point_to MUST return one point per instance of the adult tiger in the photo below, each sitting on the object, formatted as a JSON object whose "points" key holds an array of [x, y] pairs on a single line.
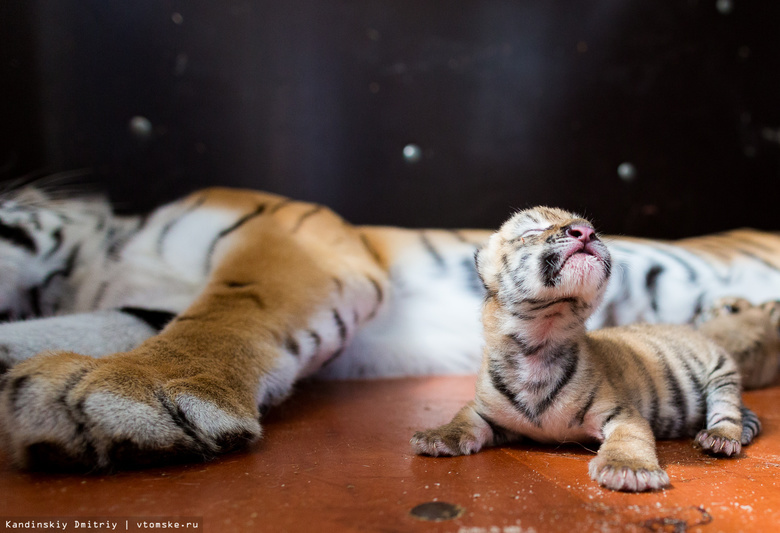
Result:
{"points": [[199, 316]]}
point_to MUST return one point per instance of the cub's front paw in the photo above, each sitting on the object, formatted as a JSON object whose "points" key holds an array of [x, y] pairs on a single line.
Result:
{"points": [[714, 442], [67, 411], [616, 476], [467, 433], [445, 440], [464, 435]]}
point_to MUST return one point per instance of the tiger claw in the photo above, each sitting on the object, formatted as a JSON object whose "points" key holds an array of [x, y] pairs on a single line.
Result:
{"points": [[718, 445], [629, 480]]}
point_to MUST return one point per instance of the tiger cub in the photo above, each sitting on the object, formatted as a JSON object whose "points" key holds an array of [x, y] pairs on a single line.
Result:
{"points": [[544, 377]]}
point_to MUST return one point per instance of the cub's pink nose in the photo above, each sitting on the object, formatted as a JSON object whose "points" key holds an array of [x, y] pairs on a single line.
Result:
{"points": [[581, 233]]}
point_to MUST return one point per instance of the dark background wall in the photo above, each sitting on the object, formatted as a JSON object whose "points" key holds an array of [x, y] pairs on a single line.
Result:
{"points": [[510, 104]]}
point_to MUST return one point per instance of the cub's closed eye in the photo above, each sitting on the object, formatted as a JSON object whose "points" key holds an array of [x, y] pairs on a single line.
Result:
{"points": [[532, 232]]}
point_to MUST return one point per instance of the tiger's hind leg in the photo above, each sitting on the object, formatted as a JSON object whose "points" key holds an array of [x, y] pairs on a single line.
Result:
{"points": [[282, 297], [724, 430], [751, 426]]}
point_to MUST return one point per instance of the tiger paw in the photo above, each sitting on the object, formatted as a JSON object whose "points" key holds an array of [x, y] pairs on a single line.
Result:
{"points": [[67, 411], [445, 440], [714, 442], [624, 478]]}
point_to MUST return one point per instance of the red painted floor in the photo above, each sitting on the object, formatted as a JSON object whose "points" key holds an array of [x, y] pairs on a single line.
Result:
{"points": [[336, 458]]}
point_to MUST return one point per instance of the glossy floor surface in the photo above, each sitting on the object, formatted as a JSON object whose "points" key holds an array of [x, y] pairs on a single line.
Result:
{"points": [[336, 458]]}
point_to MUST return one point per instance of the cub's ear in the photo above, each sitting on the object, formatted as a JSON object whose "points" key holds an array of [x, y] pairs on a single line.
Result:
{"points": [[485, 272], [487, 262], [477, 257], [477, 254]]}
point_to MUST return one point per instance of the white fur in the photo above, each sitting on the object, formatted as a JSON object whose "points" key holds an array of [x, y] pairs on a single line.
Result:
{"points": [[429, 323], [96, 334]]}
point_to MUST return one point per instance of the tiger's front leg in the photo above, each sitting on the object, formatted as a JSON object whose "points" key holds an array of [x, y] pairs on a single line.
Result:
{"points": [[96, 334], [274, 309], [468, 432], [627, 459]]}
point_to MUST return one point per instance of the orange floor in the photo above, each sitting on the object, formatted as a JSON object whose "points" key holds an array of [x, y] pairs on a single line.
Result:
{"points": [[336, 458]]}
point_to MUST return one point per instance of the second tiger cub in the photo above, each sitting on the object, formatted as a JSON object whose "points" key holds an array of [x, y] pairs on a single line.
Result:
{"points": [[544, 377]]}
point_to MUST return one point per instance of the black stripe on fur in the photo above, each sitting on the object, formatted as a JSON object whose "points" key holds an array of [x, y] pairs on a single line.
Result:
{"points": [[155, 319], [18, 237]]}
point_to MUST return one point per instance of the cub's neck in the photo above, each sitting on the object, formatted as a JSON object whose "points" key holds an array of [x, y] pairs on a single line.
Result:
{"points": [[536, 328]]}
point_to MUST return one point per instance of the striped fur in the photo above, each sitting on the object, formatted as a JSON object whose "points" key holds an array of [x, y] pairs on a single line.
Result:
{"points": [[168, 334], [545, 377]]}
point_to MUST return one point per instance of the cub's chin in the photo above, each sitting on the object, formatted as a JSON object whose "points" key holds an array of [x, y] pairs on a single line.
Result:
{"points": [[583, 271]]}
